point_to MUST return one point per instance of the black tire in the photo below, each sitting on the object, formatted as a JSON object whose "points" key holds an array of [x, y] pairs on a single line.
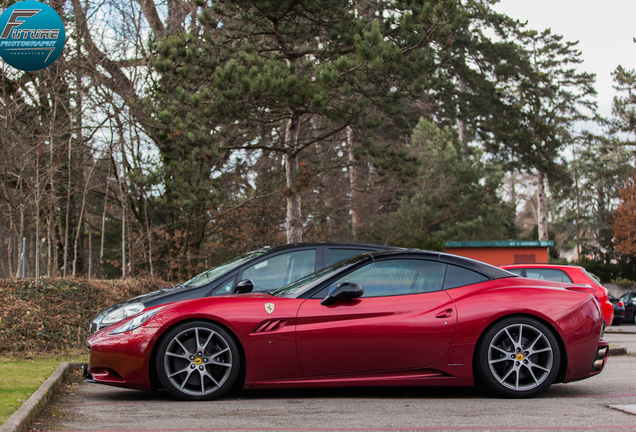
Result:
{"points": [[518, 357], [198, 360]]}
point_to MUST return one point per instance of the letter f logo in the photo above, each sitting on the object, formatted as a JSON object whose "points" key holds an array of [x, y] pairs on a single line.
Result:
{"points": [[14, 22]]}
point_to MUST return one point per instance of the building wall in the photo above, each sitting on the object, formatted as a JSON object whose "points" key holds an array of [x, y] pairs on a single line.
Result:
{"points": [[503, 255]]}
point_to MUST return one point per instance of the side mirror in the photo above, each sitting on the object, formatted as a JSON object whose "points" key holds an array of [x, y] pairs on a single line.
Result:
{"points": [[344, 290], [244, 286]]}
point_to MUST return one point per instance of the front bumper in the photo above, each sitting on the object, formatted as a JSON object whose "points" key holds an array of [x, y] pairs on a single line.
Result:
{"points": [[86, 376], [122, 360]]}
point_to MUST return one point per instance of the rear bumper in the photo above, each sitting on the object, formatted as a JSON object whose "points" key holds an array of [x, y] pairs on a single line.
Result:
{"points": [[581, 335], [600, 360]]}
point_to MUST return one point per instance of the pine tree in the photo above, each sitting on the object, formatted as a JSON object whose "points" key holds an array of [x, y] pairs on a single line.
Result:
{"points": [[300, 72], [624, 107], [456, 197]]}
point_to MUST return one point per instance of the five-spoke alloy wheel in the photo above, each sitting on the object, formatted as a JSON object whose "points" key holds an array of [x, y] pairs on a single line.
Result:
{"points": [[518, 357], [198, 360]]}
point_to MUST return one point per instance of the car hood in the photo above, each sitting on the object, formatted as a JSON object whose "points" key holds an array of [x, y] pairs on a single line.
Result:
{"points": [[149, 299], [245, 309]]}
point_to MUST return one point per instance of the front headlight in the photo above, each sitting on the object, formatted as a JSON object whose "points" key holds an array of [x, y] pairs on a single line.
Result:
{"points": [[122, 313], [136, 322]]}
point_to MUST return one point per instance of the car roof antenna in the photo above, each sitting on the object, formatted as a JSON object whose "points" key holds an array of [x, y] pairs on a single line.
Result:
{"points": [[391, 236]]}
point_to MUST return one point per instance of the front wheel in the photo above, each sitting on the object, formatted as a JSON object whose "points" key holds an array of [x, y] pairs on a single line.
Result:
{"points": [[518, 357], [198, 361]]}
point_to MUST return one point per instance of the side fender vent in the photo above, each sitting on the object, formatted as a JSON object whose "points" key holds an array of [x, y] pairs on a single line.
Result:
{"points": [[269, 326]]}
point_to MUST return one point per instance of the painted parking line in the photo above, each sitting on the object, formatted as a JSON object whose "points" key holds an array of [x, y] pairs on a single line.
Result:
{"points": [[413, 429], [587, 396], [605, 396]]}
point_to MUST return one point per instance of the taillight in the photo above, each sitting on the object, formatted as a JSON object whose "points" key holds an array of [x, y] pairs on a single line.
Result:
{"points": [[620, 304]]}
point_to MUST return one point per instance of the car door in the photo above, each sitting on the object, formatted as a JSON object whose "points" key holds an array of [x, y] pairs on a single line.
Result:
{"points": [[403, 321]]}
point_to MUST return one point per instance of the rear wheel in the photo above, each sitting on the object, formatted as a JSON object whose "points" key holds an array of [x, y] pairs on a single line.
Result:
{"points": [[518, 357], [198, 361]]}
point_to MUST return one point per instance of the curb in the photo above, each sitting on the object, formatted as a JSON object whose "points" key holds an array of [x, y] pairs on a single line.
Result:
{"points": [[33, 407], [619, 331], [614, 350]]}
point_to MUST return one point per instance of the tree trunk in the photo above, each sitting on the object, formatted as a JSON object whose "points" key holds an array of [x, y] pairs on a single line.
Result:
{"points": [[90, 254], [79, 222], [68, 211], [11, 245], [21, 253], [131, 242], [52, 267], [49, 240], [294, 219], [101, 246], [461, 125], [37, 215], [542, 210], [152, 273], [123, 239], [355, 183]]}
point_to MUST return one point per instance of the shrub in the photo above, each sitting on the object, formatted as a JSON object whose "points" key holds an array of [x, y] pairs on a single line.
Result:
{"points": [[625, 283], [610, 271], [55, 316]]}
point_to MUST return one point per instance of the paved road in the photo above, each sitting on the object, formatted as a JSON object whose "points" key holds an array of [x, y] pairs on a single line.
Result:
{"points": [[576, 406]]}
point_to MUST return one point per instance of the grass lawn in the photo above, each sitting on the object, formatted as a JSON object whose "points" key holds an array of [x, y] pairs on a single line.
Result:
{"points": [[21, 376]]}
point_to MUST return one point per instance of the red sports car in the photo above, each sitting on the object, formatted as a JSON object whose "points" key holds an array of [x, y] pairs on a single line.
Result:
{"points": [[390, 318], [568, 274]]}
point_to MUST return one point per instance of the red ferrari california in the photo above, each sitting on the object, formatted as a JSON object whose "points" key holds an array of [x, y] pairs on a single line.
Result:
{"points": [[389, 318]]}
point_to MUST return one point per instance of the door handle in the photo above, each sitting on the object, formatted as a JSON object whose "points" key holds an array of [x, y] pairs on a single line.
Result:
{"points": [[445, 313]]}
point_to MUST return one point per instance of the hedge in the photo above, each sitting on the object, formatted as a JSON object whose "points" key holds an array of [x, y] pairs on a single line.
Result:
{"points": [[609, 272], [55, 316]]}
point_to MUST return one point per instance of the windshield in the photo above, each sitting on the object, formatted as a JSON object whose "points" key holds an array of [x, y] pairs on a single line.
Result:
{"points": [[302, 285], [215, 272]]}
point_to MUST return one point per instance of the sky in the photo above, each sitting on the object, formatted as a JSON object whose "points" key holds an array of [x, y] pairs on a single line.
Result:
{"points": [[605, 31]]}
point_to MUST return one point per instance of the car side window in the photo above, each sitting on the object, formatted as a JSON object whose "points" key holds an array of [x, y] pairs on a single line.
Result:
{"points": [[280, 270], [337, 254], [459, 276], [394, 277], [554, 275], [225, 287]]}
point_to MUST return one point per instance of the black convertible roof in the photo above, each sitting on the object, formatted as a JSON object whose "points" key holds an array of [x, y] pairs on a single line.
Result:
{"points": [[329, 244], [487, 270]]}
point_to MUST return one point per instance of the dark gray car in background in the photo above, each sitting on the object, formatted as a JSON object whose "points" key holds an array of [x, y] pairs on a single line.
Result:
{"points": [[265, 269]]}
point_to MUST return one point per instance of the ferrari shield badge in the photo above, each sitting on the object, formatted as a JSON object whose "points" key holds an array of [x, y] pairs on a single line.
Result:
{"points": [[269, 308]]}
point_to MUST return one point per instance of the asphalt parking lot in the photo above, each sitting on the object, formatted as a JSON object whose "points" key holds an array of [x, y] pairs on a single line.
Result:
{"points": [[583, 405]]}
